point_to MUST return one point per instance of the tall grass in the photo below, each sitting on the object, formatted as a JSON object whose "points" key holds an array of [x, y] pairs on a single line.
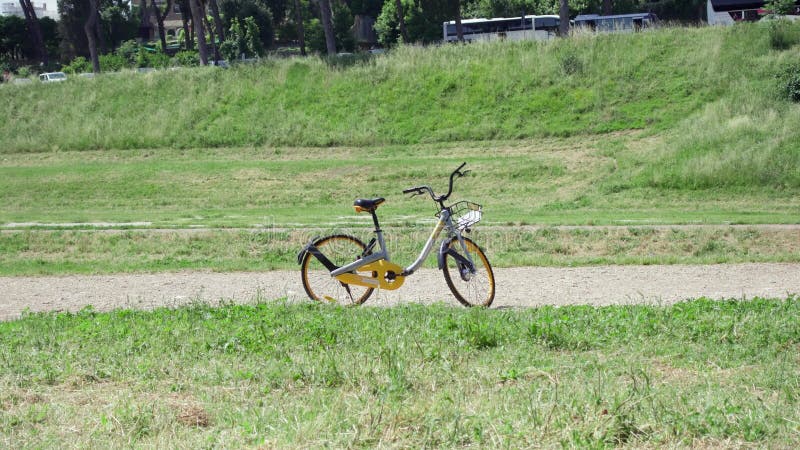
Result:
{"points": [[587, 84]]}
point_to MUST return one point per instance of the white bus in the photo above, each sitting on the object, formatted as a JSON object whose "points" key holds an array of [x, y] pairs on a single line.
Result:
{"points": [[511, 28], [620, 23]]}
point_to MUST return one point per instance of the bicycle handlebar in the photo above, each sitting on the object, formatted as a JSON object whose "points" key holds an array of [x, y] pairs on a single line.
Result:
{"points": [[417, 190]]}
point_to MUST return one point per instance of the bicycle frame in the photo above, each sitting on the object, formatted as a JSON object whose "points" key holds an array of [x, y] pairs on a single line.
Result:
{"points": [[445, 223]]}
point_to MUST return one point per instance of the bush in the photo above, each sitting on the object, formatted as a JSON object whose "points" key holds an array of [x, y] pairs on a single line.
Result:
{"points": [[159, 60], [24, 71], [128, 50], [783, 34], [78, 65], [112, 62], [186, 58], [790, 83]]}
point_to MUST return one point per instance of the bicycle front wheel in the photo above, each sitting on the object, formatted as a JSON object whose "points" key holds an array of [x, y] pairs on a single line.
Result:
{"points": [[317, 280], [471, 289]]}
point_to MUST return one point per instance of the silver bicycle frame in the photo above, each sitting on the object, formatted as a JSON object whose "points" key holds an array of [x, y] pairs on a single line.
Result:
{"points": [[444, 223]]}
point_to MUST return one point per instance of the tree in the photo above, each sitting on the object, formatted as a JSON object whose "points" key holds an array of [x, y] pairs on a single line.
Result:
{"points": [[242, 9], [218, 25], [401, 20], [161, 15], [186, 17], [327, 26], [563, 15], [34, 29], [607, 7], [780, 7], [301, 32], [90, 28], [197, 23], [252, 39], [14, 42]]}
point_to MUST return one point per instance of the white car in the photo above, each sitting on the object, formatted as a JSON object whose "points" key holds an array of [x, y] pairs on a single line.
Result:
{"points": [[52, 77]]}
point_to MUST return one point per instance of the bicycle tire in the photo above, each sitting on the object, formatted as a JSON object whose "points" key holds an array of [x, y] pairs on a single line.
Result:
{"points": [[473, 289], [340, 249]]}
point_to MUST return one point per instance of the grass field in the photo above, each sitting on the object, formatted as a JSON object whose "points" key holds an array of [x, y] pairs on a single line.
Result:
{"points": [[99, 252], [702, 373], [285, 196], [582, 180]]}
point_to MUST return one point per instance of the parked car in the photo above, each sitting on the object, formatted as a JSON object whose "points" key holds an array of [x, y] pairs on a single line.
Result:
{"points": [[52, 77]]}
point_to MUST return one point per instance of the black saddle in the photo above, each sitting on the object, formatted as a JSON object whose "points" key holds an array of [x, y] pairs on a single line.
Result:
{"points": [[368, 205]]}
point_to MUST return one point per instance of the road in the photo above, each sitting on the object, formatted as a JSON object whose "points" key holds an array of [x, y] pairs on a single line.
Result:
{"points": [[516, 287]]}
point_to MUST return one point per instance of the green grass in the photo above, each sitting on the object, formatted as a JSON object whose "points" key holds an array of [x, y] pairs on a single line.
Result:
{"points": [[501, 90], [100, 252], [580, 180], [701, 373]]}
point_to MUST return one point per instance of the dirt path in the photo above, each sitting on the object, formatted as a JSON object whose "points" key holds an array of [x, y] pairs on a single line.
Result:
{"points": [[516, 287]]}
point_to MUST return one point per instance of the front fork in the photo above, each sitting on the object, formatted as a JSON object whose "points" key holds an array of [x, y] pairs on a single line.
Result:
{"points": [[466, 267]]}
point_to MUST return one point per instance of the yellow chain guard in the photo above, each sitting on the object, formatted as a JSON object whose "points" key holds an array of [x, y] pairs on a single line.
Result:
{"points": [[378, 268]]}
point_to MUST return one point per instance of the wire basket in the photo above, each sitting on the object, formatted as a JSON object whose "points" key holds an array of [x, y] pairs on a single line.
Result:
{"points": [[465, 214]]}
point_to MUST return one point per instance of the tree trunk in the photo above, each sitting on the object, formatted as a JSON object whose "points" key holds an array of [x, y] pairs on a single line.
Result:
{"points": [[401, 20], [199, 32], [217, 20], [563, 15], [459, 27], [327, 26], [35, 29], [185, 17], [160, 16], [607, 7], [90, 28], [144, 13], [101, 38], [301, 32]]}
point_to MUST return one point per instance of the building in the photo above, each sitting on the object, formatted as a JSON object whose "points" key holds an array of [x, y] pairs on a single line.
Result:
{"points": [[172, 23], [8, 8], [727, 12]]}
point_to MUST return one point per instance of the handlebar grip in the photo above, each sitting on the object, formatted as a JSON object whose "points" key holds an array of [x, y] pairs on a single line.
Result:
{"points": [[410, 190], [461, 167]]}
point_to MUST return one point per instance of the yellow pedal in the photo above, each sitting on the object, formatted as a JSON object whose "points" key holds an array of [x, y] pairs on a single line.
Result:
{"points": [[382, 274]]}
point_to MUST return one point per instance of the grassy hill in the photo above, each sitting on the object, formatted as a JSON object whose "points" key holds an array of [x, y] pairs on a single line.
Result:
{"points": [[586, 84]]}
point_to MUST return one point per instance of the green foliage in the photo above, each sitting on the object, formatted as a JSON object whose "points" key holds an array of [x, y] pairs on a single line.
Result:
{"points": [[130, 51], [780, 7], [423, 21], [78, 65], [790, 82], [342, 23], [251, 37], [235, 43], [315, 36], [188, 58], [15, 42], [112, 62], [24, 71], [240, 10]]}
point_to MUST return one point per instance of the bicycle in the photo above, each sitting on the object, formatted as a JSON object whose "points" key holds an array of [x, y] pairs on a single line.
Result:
{"points": [[342, 269]]}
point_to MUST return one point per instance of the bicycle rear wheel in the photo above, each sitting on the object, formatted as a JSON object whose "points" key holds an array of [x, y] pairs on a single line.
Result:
{"points": [[317, 280], [471, 289]]}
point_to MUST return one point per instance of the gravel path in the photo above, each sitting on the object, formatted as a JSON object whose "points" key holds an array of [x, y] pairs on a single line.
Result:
{"points": [[516, 287]]}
